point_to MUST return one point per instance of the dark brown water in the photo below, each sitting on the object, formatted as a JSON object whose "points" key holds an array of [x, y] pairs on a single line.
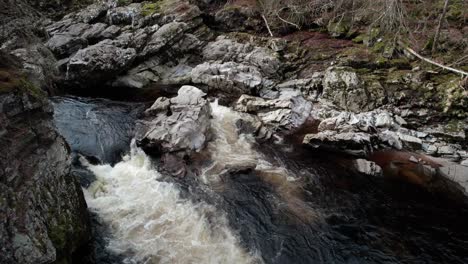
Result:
{"points": [[305, 207]]}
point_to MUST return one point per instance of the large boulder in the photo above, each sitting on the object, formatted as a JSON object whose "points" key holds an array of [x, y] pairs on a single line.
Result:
{"points": [[44, 215], [180, 125], [99, 63]]}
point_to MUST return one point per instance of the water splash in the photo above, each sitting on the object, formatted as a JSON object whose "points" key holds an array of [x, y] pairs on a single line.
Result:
{"points": [[151, 223]]}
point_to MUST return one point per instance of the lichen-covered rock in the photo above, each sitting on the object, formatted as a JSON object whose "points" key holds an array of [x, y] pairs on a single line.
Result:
{"points": [[99, 62], [44, 216], [343, 87], [177, 125]]}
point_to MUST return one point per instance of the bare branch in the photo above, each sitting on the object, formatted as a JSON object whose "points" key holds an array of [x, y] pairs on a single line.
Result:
{"points": [[266, 23], [463, 73]]}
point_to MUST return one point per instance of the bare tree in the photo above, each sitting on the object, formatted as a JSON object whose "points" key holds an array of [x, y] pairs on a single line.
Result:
{"points": [[439, 26]]}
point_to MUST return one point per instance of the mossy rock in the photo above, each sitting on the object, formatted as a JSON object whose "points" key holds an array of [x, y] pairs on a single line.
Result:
{"points": [[12, 81], [157, 6], [123, 2], [339, 29]]}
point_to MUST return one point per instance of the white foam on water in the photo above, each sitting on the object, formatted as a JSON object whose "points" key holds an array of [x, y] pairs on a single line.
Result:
{"points": [[151, 223]]}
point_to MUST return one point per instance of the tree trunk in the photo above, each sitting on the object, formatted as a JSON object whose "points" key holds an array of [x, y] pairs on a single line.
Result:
{"points": [[436, 37]]}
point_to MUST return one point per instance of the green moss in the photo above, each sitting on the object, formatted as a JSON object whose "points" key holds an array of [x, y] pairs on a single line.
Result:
{"points": [[123, 2], [30, 88], [58, 236], [360, 38], [456, 9], [156, 6], [10, 81]]}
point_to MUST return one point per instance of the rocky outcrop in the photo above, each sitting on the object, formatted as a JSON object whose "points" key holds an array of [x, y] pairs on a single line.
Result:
{"points": [[352, 143], [98, 63], [180, 125], [230, 77], [98, 129], [43, 213], [44, 216], [287, 113], [342, 86], [386, 130]]}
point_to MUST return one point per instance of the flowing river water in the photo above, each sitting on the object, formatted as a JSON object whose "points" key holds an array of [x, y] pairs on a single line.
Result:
{"points": [[250, 203]]}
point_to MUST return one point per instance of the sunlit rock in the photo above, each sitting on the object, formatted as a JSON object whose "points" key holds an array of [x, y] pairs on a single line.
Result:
{"points": [[180, 124]]}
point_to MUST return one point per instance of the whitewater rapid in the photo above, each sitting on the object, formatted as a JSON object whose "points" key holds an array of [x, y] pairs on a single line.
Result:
{"points": [[151, 223]]}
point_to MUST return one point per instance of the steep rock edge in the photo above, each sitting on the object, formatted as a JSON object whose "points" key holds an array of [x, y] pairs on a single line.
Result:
{"points": [[43, 214]]}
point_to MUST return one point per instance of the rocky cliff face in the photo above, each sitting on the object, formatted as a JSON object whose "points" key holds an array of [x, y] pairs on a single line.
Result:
{"points": [[44, 217]]}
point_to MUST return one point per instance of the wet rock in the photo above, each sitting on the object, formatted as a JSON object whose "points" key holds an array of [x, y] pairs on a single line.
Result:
{"points": [[99, 62], [368, 167], [286, 113], [44, 215], [229, 77], [98, 129], [356, 144], [452, 180], [177, 125]]}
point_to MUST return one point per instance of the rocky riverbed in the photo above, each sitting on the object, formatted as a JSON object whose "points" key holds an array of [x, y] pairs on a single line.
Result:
{"points": [[217, 110]]}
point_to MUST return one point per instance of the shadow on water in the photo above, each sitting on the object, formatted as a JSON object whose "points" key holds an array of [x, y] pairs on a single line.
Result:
{"points": [[356, 219]]}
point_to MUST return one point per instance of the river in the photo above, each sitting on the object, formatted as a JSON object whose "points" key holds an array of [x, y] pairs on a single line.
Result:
{"points": [[249, 203]]}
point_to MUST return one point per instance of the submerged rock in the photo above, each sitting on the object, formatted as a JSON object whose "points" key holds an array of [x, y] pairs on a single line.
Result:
{"points": [[177, 125]]}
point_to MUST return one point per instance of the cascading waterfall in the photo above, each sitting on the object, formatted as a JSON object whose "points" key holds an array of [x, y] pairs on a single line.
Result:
{"points": [[151, 223]]}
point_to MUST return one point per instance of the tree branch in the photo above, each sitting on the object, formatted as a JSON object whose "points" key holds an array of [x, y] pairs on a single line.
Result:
{"points": [[435, 63], [268, 27]]}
